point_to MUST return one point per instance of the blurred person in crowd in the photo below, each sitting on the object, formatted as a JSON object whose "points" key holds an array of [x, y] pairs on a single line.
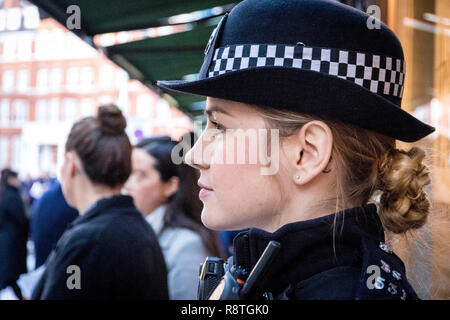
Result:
{"points": [[109, 252], [41, 185], [25, 187], [13, 230], [50, 216], [166, 194]]}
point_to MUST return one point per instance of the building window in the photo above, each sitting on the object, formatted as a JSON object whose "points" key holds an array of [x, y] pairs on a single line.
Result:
{"points": [[2, 20], [31, 17], [69, 110], [9, 47], [41, 110], [55, 79], [121, 78], [72, 78], [54, 109], [87, 107], [23, 80], [24, 45], [20, 111], [8, 81], [106, 76], [4, 152], [42, 79], [86, 77], [43, 44], [57, 43], [4, 112], [16, 145], [13, 18]]}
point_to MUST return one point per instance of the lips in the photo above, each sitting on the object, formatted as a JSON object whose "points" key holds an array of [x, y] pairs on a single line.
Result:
{"points": [[204, 191], [201, 185]]}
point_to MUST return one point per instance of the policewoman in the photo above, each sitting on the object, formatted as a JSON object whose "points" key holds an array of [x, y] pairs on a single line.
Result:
{"points": [[333, 89]]}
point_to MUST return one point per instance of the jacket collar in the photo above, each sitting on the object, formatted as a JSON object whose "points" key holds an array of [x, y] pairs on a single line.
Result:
{"points": [[156, 218], [309, 247], [102, 205]]}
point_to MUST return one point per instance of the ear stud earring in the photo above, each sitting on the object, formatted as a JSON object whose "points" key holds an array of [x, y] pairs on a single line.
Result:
{"points": [[297, 177]]}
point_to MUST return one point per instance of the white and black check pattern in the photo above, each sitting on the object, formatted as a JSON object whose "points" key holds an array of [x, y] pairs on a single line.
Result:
{"points": [[379, 74]]}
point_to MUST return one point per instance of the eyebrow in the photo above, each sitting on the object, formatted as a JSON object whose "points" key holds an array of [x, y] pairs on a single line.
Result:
{"points": [[208, 112]]}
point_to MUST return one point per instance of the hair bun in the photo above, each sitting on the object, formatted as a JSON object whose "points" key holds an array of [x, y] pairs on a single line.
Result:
{"points": [[111, 120], [402, 177]]}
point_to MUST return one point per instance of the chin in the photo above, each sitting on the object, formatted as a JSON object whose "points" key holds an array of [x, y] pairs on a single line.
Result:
{"points": [[211, 219]]}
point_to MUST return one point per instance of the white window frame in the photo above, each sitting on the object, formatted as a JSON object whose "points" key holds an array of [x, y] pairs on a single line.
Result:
{"points": [[8, 82], [20, 111], [23, 80], [5, 113]]}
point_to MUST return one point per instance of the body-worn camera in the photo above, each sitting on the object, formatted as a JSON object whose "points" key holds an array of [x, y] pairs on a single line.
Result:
{"points": [[239, 285], [211, 273]]}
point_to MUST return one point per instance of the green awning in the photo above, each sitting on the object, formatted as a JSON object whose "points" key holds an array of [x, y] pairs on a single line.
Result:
{"points": [[168, 57], [175, 56], [103, 16]]}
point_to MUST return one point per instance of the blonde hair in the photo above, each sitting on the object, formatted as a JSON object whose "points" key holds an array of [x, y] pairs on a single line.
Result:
{"points": [[369, 165]]}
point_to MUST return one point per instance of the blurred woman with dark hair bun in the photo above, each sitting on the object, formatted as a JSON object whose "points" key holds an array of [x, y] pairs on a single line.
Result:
{"points": [[109, 252], [166, 194]]}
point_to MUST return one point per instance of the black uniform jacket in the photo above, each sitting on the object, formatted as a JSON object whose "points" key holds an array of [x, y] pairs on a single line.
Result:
{"points": [[114, 253], [320, 261], [13, 237]]}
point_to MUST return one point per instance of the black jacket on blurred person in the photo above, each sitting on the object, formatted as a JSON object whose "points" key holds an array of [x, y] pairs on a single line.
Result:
{"points": [[13, 236], [50, 216], [117, 254]]}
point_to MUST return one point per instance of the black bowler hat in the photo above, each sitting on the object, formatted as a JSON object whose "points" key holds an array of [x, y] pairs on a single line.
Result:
{"points": [[310, 56]]}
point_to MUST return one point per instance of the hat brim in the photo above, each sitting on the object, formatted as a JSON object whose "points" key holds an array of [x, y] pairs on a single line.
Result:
{"points": [[309, 92]]}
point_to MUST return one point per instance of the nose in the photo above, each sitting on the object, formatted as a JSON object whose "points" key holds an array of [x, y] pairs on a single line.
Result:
{"points": [[195, 158]]}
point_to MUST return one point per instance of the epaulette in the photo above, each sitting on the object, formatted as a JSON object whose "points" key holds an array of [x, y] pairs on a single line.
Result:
{"points": [[383, 274]]}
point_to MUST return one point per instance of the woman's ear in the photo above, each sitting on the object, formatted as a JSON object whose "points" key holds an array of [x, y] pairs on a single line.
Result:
{"points": [[171, 186], [312, 148], [73, 164]]}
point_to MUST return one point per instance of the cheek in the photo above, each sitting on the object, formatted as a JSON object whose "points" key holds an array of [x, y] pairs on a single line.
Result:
{"points": [[146, 194], [242, 198]]}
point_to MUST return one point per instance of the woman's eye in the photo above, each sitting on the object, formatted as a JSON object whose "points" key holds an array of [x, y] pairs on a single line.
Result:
{"points": [[218, 126]]}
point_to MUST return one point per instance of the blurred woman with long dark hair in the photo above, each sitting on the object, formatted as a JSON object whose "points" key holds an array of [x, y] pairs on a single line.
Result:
{"points": [[167, 195]]}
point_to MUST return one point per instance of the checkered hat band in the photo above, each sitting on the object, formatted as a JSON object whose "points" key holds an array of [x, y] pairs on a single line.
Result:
{"points": [[379, 74]]}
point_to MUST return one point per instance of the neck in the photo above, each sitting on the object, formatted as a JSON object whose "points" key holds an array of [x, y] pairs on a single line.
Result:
{"points": [[306, 202], [149, 212], [93, 193], [300, 209]]}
